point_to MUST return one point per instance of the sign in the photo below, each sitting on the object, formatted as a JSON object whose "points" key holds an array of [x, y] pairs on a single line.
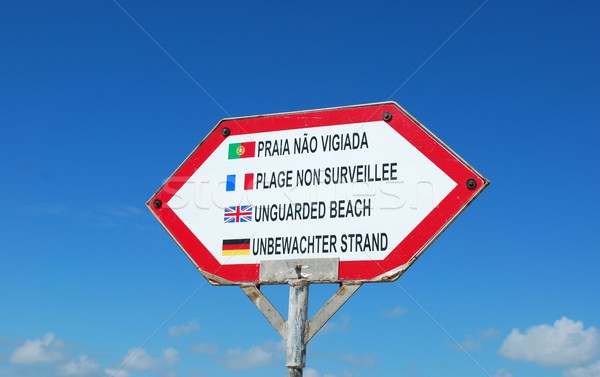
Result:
{"points": [[344, 194]]}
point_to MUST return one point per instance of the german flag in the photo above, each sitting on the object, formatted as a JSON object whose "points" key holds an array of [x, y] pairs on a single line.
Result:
{"points": [[240, 246]]}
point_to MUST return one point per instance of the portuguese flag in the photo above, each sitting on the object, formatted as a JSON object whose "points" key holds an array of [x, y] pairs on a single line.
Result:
{"points": [[240, 246], [241, 150]]}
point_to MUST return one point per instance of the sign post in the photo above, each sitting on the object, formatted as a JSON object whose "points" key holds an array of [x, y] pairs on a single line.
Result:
{"points": [[345, 195], [295, 339]]}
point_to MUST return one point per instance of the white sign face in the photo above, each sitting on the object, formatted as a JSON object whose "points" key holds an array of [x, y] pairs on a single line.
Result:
{"points": [[351, 191]]}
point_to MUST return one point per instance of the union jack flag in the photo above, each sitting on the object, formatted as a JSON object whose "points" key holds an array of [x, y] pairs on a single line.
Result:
{"points": [[238, 214]]}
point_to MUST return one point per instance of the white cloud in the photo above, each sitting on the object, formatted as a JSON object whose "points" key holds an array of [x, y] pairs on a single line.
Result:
{"points": [[394, 312], [114, 215], [170, 356], [185, 329], [342, 326], [45, 350], [476, 342], [116, 372], [363, 360], [84, 366], [311, 373], [254, 357], [563, 344], [308, 372], [206, 348], [125, 211], [139, 359], [502, 373], [592, 370], [46, 209]]}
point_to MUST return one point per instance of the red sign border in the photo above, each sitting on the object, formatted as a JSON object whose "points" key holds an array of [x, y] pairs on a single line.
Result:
{"points": [[388, 269]]}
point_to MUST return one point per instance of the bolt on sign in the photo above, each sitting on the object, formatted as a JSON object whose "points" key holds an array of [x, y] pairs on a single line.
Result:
{"points": [[351, 194]]}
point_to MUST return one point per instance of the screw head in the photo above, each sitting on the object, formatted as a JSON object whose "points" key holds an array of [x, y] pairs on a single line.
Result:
{"points": [[471, 183], [387, 116], [225, 131], [157, 203]]}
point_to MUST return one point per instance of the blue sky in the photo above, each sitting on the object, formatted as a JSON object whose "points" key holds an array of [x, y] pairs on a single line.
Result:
{"points": [[101, 101]]}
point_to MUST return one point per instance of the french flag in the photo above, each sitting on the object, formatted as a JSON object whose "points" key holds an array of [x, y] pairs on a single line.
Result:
{"points": [[231, 179]]}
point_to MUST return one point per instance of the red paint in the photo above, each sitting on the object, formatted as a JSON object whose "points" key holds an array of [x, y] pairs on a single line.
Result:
{"points": [[248, 181]]}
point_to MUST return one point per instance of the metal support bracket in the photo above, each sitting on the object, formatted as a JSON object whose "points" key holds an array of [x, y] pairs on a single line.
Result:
{"points": [[330, 308], [297, 331], [316, 323], [266, 308]]}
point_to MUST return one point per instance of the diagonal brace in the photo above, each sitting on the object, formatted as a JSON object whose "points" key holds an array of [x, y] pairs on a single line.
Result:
{"points": [[330, 308], [266, 308], [316, 323]]}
